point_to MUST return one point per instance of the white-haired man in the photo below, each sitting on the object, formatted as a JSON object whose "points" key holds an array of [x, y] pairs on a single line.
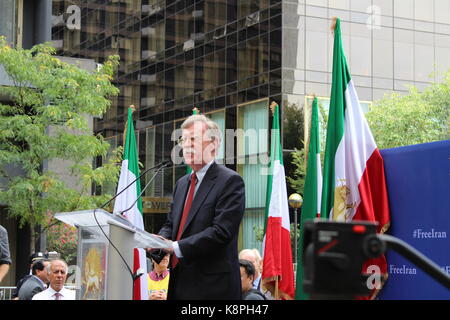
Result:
{"points": [[57, 275], [203, 222]]}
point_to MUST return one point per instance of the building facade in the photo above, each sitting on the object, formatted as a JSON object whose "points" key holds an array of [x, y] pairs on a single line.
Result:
{"points": [[230, 59]]}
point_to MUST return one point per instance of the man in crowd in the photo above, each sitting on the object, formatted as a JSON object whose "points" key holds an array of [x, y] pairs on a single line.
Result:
{"points": [[37, 282], [203, 223], [5, 257], [247, 278], [254, 257], [34, 257], [57, 274]]}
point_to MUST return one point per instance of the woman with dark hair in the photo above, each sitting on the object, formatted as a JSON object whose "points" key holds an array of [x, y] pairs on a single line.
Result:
{"points": [[158, 278]]}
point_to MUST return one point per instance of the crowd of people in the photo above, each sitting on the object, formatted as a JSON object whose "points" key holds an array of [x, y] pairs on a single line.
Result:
{"points": [[45, 281], [250, 263], [47, 278]]}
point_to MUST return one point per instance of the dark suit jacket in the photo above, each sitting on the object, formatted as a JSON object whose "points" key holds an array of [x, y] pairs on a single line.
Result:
{"points": [[30, 287], [209, 268]]}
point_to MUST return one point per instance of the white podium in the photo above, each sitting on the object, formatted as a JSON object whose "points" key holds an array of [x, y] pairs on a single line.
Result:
{"points": [[103, 274]]}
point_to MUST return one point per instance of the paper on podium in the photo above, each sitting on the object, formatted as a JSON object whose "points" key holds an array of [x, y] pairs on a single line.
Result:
{"points": [[85, 218]]}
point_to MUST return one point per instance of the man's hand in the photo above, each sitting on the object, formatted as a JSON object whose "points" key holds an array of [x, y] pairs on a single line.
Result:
{"points": [[169, 248]]}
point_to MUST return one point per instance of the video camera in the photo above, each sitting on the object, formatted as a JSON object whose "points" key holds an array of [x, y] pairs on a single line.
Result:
{"points": [[333, 255]]}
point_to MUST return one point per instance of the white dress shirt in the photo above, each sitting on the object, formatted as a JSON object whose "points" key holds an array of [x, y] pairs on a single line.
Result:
{"points": [[49, 294]]}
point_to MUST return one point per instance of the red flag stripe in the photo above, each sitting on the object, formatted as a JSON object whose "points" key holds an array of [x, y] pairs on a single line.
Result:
{"points": [[374, 204], [137, 282], [374, 207], [278, 257]]}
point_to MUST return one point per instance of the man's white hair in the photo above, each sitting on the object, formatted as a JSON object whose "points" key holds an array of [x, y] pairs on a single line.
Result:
{"points": [[213, 131], [254, 252], [48, 268]]}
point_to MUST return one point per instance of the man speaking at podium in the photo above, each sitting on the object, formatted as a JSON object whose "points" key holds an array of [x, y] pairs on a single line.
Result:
{"points": [[203, 222]]}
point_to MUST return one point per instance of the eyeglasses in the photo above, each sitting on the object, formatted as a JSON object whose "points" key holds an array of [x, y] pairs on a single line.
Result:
{"points": [[193, 140]]}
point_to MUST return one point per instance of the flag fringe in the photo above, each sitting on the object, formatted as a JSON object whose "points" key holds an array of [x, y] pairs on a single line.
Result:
{"points": [[269, 284], [385, 228]]}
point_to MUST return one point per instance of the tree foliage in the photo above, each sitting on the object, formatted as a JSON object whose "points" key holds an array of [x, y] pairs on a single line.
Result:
{"points": [[297, 178], [45, 119], [293, 133], [418, 117], [293, 126]]}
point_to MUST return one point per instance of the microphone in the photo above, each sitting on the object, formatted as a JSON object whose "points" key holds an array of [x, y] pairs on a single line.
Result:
{"points": [[161, 166]]}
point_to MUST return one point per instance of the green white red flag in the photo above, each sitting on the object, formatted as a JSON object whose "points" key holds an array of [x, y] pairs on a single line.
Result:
{"points": [[277, 251], [354, 186], [128, 173], [311, 195]]}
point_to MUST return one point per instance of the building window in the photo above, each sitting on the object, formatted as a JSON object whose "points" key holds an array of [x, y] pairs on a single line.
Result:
{"points": [[184, 81], [219, 118], [252, 160], [247, 7], [8, 23], [153, 41]]}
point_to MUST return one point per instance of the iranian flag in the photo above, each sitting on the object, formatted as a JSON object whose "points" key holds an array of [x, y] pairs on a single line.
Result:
{"points": [[278, 272], [128, 173], [354, 186], [312, 193]]}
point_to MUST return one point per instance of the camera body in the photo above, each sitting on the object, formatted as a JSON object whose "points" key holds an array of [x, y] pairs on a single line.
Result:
{"points": [[333, 257]]}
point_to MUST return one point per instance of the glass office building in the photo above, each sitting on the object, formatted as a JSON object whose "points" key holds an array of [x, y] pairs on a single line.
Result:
{"points": [[230, 59]]}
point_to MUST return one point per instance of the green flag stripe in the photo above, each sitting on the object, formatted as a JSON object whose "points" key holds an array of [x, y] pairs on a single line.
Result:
{"points": [[130, 154], [275, 154], [335, 130], [309, 208]]}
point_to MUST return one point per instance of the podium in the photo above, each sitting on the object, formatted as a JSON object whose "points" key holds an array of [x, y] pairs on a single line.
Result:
{"points": [[101, 272]]}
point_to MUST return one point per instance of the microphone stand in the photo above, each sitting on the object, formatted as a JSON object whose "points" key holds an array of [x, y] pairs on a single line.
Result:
{"points": [[160, 165], [146, 186]]}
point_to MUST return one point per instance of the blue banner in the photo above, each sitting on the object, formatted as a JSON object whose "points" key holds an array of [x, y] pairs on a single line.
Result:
{"points": [[418, 183]]}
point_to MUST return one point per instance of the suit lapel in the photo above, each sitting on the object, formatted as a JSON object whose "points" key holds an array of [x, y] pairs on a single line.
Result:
{"points": [[202, 193]]}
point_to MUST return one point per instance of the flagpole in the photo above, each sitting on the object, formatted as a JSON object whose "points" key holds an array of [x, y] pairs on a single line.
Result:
{"points": [[333, 24], [314, 97], [277, 294]]}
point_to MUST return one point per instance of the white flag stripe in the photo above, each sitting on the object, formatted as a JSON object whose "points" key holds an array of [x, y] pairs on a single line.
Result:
{"points": [[124, 200], [278, 201], [133, 215], [357, 144], [319, 182]]}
